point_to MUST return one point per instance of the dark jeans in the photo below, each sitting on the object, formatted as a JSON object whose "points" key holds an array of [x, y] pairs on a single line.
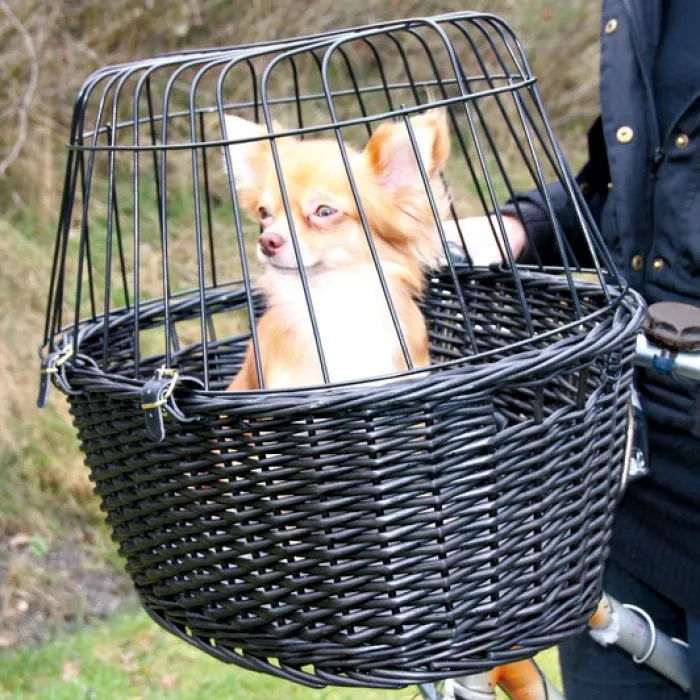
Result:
{"points": [[593, 672]]}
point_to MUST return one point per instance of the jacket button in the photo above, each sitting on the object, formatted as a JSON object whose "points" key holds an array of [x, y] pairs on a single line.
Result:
{"points": [[624, 134], [658, 264], [682, 140], [637, 262], [611, 26]]}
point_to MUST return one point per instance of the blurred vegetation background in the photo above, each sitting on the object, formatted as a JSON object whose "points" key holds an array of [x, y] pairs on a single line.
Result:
{"points": [[56, 562]]}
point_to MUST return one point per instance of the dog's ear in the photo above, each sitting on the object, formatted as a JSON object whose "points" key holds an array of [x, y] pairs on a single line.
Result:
{"points": [[250, 160], [392, 158]]}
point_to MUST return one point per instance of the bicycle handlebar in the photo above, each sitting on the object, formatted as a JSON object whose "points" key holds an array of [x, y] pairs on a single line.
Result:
{"points": [[681, 364]]}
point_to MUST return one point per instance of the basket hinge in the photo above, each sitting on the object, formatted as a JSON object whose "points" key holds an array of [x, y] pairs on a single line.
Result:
{"points": [[50, 367], [155, 394]]}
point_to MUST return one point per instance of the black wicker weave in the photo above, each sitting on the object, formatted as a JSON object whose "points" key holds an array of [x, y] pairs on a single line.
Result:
{"points": [[368, 534]]}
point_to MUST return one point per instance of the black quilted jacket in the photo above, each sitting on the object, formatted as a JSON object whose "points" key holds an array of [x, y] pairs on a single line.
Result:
{"points": [[643, 188]]}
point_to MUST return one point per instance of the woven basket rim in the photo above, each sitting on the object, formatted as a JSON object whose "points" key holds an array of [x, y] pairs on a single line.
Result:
{"points": [[93, 325], [452, 378]]}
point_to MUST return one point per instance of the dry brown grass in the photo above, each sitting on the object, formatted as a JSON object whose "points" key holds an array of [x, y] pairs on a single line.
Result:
{"points": [[47, 49]]}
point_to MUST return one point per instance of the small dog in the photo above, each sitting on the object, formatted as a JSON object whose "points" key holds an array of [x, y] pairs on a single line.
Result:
{"points": [[357, 335]]}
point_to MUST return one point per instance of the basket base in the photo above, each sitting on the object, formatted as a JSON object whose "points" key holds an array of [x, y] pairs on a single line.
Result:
{"points": [[410, 670]]}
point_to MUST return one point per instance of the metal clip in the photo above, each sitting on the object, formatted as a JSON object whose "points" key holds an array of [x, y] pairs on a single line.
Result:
{"points": [[611, 369], [155, 394], [50, 365], [652, 633]]}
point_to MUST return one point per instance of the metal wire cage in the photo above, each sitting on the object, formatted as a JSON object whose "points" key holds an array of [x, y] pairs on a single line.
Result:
{"points": [[436, 514]]}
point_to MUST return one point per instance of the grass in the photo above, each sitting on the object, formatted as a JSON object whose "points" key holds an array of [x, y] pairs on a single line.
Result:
{"points": [[130, 658], [44, 481]]}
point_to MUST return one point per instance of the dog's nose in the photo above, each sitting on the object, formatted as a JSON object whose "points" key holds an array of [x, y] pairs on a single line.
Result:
{"points": [[270, 243]]}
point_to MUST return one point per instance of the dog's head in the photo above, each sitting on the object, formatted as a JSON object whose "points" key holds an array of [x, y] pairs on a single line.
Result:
{"points": [[321, 204]]}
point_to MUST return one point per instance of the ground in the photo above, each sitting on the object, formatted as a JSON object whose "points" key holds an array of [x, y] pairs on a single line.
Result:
{"points": [[47, 589]]}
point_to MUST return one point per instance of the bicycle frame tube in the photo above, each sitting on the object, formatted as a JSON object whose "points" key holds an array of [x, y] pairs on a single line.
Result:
{"points": [[522, 679], [613, 623], [633, 630]]}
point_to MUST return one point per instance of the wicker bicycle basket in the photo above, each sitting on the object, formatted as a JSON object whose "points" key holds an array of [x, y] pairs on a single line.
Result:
{"points": [[370, 533]]}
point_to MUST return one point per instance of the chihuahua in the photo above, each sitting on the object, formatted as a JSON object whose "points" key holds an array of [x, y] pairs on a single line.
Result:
{"points": [[357, 335]]}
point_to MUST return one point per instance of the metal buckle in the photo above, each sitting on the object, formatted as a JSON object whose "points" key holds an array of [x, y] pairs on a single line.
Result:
{"points": [[56, 359], [155, 394], [50, 366], [163, 373]]}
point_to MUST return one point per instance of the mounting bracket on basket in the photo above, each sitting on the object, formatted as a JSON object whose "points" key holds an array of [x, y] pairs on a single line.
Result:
{"points": [[675, 328], [636, 444]]}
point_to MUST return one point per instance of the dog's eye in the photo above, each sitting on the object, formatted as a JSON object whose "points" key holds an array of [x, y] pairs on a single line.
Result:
{"points": [[325, 210], [264, 213]]}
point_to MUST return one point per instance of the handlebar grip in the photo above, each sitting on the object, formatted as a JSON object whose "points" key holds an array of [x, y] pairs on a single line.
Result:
{"points": [[670, 343], [680, 364]]}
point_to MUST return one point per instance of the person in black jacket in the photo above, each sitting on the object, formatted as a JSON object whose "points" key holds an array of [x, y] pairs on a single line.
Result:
{"points": [[642, 184]]}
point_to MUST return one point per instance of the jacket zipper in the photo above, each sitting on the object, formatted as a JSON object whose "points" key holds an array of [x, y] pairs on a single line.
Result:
{"points": [[659, 155]]}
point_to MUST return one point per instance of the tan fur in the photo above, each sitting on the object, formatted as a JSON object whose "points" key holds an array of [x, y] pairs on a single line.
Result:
{"points": [[398, 214]]}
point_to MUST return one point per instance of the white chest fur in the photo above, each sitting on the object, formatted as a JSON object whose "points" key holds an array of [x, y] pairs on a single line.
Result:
{"points": [[358, 336]]}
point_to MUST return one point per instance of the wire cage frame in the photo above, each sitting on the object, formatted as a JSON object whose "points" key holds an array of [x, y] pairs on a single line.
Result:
{"points": [[451, 517]]}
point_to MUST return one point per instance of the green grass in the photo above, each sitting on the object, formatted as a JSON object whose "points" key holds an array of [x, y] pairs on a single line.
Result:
{"points": [[130, 658]]}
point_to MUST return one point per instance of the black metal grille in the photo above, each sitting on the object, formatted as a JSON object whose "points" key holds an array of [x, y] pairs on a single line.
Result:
{"points": [[352, 533]]}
